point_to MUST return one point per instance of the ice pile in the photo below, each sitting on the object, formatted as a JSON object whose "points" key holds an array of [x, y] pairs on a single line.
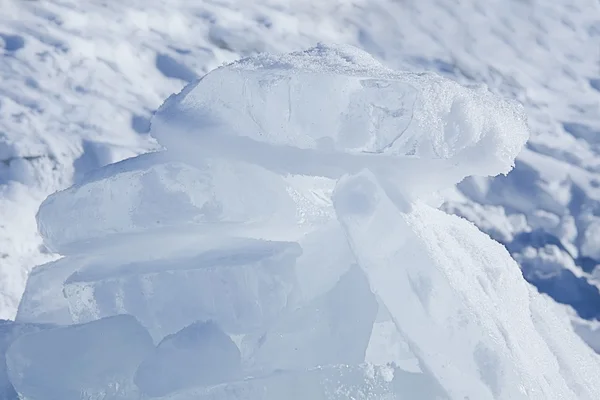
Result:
{"points": [[286, 245]]}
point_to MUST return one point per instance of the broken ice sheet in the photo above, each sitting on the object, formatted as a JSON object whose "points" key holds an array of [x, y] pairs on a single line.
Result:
{"points": [[332, 329], [241, 285]]}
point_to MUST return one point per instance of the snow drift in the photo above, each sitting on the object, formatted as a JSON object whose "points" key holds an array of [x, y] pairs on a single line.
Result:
{"points": [[285, 246]]}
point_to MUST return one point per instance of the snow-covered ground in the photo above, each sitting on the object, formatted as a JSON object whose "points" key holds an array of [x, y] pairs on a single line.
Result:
{"points": [[80, 79]]}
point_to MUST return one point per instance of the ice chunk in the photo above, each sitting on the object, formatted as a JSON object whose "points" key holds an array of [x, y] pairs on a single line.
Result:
{"points": [[460, 301], [198, 355], [242, 285], [157, 194], [90, 361], [271, 111], [320, 268], [43, 300], [333, 329], [9, 332], [340, 382]]}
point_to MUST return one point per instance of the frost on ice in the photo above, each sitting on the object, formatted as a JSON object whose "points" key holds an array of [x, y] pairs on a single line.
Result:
{"points": [[286, 245]]}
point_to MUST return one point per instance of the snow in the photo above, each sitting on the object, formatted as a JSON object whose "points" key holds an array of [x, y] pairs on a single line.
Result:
{"points": [[279, 249]]}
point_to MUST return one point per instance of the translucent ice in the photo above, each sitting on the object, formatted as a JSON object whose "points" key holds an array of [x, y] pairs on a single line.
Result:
{"points": [[9, 332], [339, 382], [241, 285], [43, 300], [331, 110], [155, 194], [90, 361], [332, 329], [460, 301], [199, 355]]}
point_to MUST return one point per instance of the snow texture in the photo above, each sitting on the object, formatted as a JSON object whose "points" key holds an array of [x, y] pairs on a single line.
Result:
{"points": [[288, 238]]}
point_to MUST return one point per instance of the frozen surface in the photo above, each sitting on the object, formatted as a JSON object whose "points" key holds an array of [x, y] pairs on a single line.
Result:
{"points": [[198, 355], [90, 361], [242, 285], [332, 329], [9, 332], [338, 382], [393, 121], [303, 320], [43, 300], [155, 194]]}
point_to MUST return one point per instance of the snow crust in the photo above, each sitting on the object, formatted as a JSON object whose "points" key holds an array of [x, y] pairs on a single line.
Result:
{"points": [[287, 243]]}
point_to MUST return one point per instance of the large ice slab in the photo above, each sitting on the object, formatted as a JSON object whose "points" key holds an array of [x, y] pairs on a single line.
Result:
{"points": [[331, 110], [461, 302], [159, 194], [242, 285], [90, 361]]}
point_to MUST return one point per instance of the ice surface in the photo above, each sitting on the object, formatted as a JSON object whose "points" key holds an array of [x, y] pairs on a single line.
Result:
{"points": [[242, 285], [43, 300], [372, 116], [9, 332], [198, 355], [153, 194], [332, 329], [460, 301], [339, 382], [89, 361], [318, 270]]}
